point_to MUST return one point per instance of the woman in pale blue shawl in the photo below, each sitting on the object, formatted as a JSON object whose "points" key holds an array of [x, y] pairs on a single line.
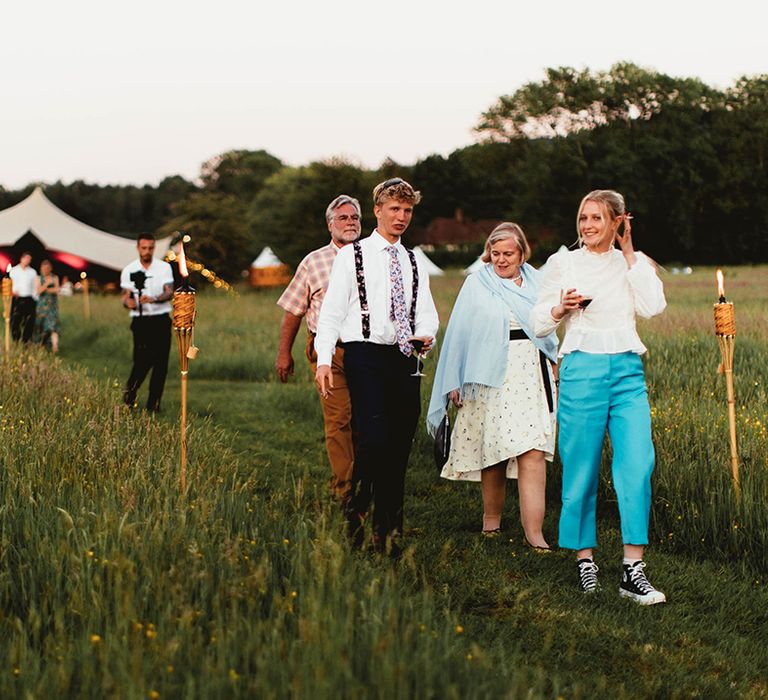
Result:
{"points": [[500, 376]]}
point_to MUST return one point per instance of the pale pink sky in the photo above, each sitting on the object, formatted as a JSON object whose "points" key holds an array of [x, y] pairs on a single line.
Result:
{"points": [[132, 92]]}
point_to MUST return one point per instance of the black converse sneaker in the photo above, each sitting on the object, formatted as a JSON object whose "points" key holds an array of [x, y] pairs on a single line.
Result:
{"points": [[635, 585], [587, 575]]}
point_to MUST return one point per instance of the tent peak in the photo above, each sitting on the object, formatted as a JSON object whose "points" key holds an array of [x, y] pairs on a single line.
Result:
{"points": [[59, 231]]}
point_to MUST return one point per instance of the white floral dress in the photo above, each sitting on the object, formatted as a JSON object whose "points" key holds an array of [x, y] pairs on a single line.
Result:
{"points": [[499, 424]]}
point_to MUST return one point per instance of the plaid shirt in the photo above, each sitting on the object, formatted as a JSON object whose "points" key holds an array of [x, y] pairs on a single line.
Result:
{"points": [[304, 295]]}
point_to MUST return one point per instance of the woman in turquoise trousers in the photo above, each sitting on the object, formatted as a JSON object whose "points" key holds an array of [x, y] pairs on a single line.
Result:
{"points": [[596, 291]]}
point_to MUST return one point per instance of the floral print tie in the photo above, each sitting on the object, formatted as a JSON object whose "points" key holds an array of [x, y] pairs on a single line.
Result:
{"points": [[398, 313]]}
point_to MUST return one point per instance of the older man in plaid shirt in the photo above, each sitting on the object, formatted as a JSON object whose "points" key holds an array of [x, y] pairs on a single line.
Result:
{"points": [[303, 298]]}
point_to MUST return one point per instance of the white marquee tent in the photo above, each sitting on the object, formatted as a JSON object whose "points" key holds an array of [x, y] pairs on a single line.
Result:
{"points": [[58, 231], [266, 258], [268, 271], [432, 269], [474, 267]]}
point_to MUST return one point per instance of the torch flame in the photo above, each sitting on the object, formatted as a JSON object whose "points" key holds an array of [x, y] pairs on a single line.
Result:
{"points": [[83, 275], [8, 269], [720, 284], [183, 261]]}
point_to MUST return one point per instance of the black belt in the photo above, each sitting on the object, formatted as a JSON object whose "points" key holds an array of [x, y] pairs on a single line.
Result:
{"points": [[520, 334]]}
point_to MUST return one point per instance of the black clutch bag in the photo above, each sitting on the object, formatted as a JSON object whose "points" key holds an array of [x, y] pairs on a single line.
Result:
{"points": [[442, 442]]}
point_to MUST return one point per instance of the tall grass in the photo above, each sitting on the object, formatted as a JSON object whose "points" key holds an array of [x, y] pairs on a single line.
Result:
{"points": [[113, 584], [695, 508]]}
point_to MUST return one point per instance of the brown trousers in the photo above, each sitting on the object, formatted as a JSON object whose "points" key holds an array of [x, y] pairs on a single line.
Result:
{"points": [[337, 419]]}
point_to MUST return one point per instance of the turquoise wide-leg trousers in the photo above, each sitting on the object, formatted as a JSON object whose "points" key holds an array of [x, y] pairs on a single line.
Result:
{"points": [[599, 393]]}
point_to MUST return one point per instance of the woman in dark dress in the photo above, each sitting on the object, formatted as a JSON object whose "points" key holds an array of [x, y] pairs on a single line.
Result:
{"points": [[47, 324]]}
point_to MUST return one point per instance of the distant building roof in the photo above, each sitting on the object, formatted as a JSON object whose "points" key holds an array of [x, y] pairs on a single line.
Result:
{"points": [[443, 230]]}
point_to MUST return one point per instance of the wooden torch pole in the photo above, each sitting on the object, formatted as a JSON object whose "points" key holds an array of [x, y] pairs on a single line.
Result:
{"points": [[7, 292], [725, 330], [183, 324], [86, 298]]}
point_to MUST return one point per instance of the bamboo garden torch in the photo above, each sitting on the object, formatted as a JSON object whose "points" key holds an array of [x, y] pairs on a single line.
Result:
{"points": [[86, 300], [7, 291], [725, 330], [184, 326]]}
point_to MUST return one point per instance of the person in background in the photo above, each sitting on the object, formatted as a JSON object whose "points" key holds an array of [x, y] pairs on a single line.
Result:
{"points": [[597, 291], [303, 298], [147, 285], [47, 323], [24, 277], [379, 305], [500, 376], [66, 287]]}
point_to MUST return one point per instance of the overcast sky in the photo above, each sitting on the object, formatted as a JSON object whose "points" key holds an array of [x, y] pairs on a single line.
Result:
{"points": [[132, 92]]}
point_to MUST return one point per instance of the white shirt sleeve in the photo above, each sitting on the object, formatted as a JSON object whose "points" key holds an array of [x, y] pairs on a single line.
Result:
{"points": [[549, 296], [125, 279], [335, 305], [647, 289], [427, 321]]}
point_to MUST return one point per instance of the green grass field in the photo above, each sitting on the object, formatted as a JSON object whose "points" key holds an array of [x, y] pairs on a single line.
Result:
{"points": [[111, 585]]}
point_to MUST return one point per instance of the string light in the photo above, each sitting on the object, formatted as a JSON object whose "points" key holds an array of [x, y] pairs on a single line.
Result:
{"points": [[207, 274]]}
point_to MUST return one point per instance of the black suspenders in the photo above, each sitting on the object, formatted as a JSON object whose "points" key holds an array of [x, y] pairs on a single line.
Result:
{"points": [[415, 288], [363, 295]]}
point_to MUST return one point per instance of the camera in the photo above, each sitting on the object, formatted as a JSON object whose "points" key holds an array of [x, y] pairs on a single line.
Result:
{"points": [[139, 279]]}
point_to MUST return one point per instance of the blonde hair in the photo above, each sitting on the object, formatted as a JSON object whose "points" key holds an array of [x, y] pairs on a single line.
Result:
{"points": [[611, 203], [501, 233], [395, 188]]}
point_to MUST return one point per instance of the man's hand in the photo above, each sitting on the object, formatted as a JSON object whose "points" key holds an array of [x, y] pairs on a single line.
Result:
{"points": [[428, 341], [146, 299], [324, 380], [129, 302], [289, 327], [284, 366]]}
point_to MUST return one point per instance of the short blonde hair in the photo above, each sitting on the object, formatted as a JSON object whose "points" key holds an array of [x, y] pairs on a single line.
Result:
{"points": [[395, 188], [611, 203], [502, 232]]}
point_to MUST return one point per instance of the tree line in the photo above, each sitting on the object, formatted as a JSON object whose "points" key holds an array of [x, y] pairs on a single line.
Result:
{"points": [[689, 158]]}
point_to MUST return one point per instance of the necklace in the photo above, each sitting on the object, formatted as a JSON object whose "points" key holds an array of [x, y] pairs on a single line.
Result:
{"points": [[519, 277]]}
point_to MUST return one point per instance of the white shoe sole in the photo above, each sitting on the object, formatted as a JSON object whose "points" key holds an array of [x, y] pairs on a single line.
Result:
{"points": [[650, 599]]}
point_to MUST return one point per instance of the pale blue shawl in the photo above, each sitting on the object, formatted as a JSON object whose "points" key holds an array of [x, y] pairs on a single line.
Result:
{"points": [[474, 349]]}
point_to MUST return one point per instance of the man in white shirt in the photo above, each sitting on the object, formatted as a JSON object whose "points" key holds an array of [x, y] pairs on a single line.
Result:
{"points": [[23, 305], [378, 302], [147, 286]]}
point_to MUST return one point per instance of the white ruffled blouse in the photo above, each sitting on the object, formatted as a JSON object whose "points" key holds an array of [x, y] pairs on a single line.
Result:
{"points": [[619, 294]]}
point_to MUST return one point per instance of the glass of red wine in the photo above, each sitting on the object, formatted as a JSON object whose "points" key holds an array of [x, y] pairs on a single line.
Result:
{"points": [[417, 344], [586, 300]]}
